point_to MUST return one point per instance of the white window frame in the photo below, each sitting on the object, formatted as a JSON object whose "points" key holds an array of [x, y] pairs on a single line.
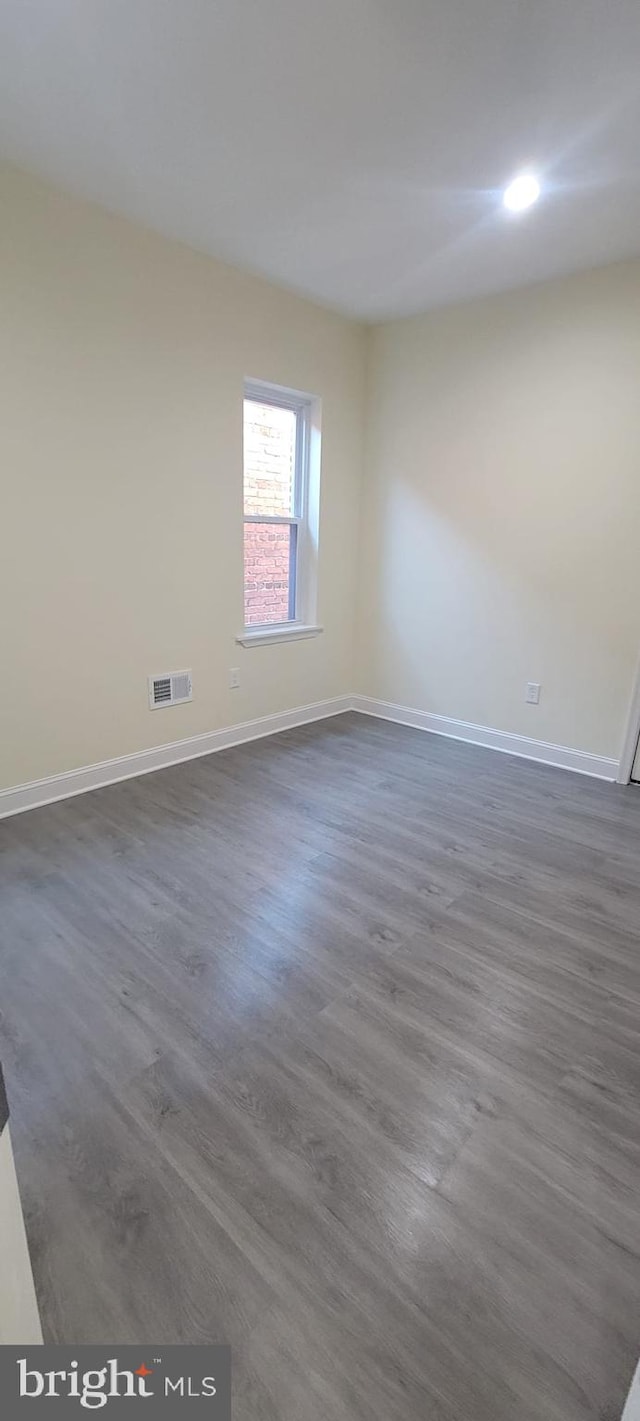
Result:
{"points": [[304, 517]]}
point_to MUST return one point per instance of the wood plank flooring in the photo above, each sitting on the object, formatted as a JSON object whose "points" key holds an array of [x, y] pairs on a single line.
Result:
{"points": [[327, 1047]]}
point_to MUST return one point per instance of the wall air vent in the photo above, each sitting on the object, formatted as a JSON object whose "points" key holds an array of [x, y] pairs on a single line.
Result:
{"points": [[170, 689]]}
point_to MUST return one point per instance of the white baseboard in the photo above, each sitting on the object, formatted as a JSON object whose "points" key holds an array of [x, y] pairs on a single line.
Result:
{"points": [[38, 792], [546, 754]]}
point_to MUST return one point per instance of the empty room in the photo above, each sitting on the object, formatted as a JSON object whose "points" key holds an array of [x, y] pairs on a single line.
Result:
{"points": [[320, 712]]}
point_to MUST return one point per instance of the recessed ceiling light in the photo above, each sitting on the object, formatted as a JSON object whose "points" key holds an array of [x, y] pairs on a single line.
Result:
{"points": [[522, 192]]}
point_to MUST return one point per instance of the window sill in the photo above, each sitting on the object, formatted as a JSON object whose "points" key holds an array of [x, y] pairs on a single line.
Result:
{"points": [[266, 636]]}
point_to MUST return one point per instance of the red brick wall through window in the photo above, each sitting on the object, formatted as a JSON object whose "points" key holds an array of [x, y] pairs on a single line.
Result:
{"points": [[269, 462], [266, 573]]}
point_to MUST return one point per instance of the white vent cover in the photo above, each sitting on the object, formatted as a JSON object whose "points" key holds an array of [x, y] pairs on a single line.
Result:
{"points": [[170, 689]]}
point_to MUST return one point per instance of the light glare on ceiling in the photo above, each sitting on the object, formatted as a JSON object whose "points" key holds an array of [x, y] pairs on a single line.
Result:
{"points": [[522, 192]]}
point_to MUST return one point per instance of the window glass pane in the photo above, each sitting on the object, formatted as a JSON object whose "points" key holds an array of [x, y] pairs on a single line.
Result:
{"points": [[269, 573], [269, 459]]}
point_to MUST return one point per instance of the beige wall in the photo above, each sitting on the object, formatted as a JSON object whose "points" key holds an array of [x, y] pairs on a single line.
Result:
{"points": [[501, 529], [123, 358]]}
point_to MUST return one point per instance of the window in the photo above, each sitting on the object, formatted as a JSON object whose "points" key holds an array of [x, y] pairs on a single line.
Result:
{"points": [[280, 517]]}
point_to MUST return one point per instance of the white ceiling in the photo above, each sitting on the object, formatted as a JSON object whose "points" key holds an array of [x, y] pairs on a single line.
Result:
{"points": [[353, 150]]}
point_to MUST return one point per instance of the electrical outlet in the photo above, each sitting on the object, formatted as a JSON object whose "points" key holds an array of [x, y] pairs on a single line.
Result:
{"points": [[532, 693], [234, 678]]}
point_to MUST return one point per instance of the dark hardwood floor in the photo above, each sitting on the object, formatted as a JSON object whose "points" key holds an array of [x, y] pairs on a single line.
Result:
{"points": [[327, 1047]]}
